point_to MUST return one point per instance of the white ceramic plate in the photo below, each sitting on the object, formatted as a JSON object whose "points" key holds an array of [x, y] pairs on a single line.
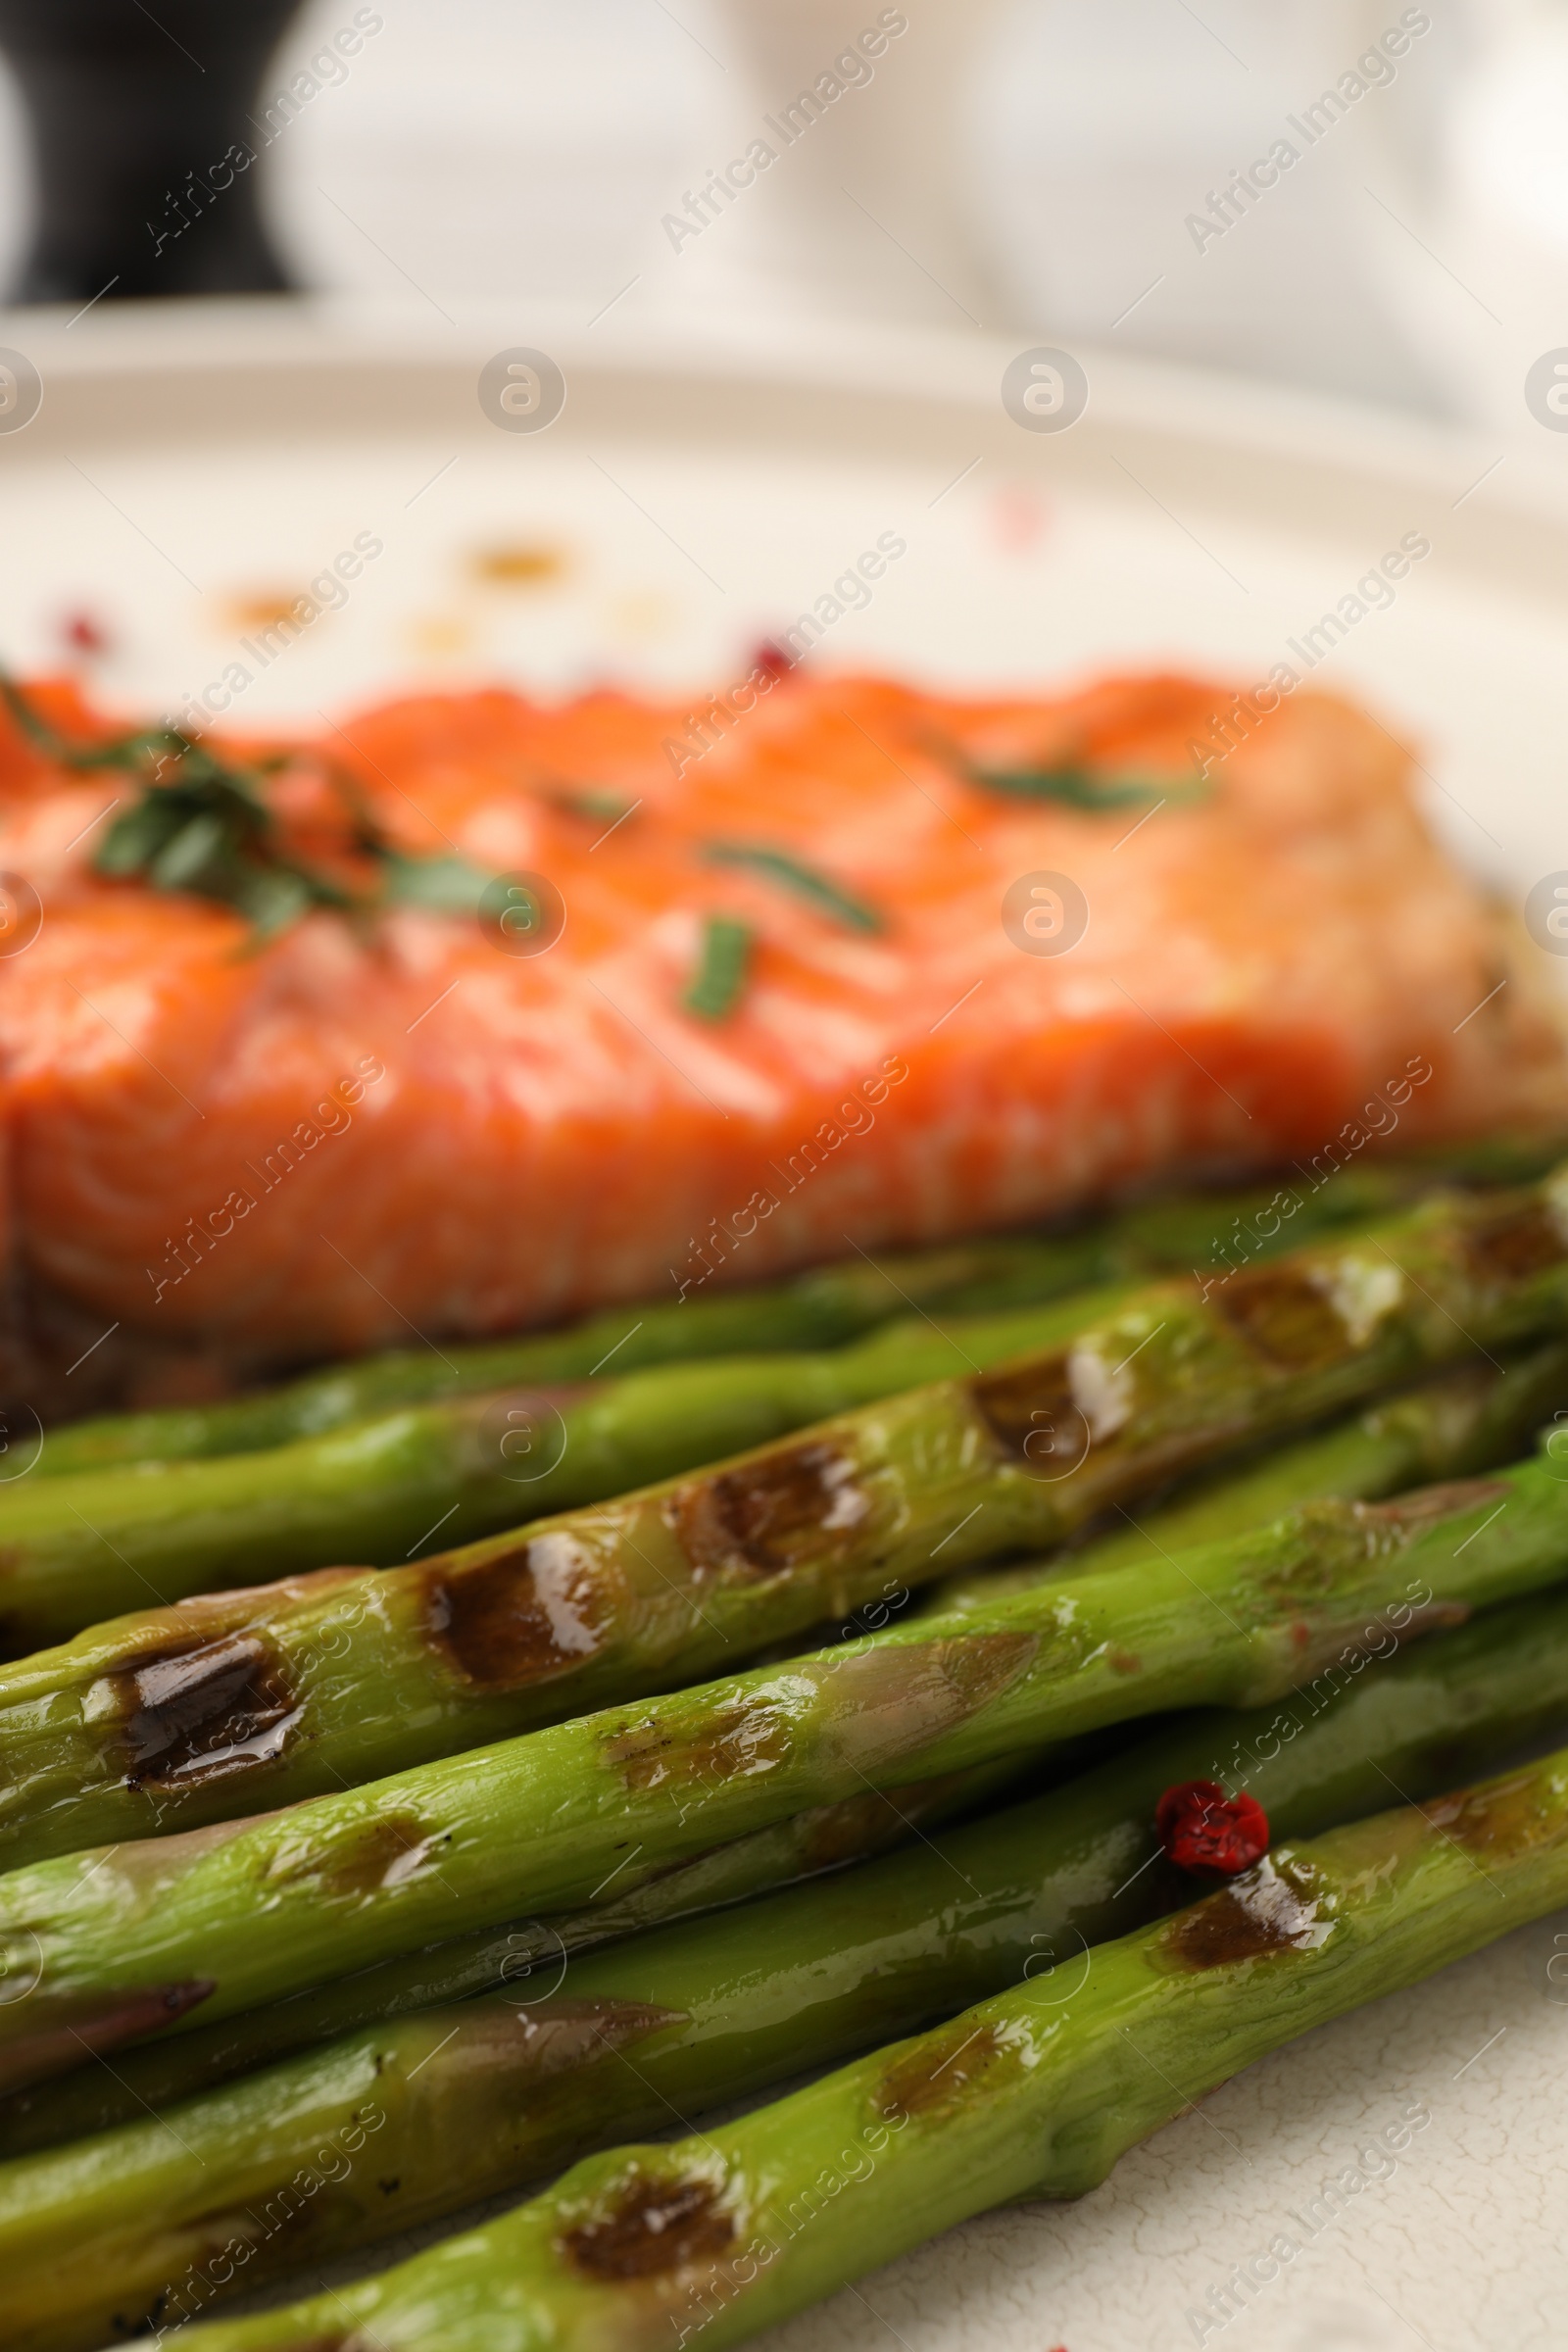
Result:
{"points": [[697, 492]]}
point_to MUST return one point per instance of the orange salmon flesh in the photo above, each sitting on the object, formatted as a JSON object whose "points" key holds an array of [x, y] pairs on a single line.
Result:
{"points": [[253, 1158]]}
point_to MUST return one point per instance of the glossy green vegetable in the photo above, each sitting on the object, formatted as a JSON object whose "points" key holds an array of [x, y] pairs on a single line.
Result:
{"points": [[827, 1307], [409, 2119], [824, 1309], [521, 1951], [1470, 1420], [112, 1946], [1035, 2092], [718, 983], [78, 1550], [232, 1703]]}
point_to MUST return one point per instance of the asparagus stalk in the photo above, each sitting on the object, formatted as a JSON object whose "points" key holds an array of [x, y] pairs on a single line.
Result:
{"points": [[86, 1548], [1035, 2092], [1470, 1420], [111, 1945], [229, 1703], [825, 1308], [523, 1953], [407, 2120], [82, 1548], [1458, 1425]]}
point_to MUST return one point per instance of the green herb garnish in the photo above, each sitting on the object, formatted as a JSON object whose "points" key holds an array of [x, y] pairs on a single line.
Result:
{"points": [[201, 823], [817, 889], [1075, 786], [443, 885], [591, 800], [719, 980]]}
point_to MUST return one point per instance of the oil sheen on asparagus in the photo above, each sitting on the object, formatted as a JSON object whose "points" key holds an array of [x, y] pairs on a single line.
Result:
{"points": [[411, 2118], [1035, 2092], [1466, 1422], [522, 1952], [1469, 1420], [120, 1943], [232, 1703], [82, 1548]]}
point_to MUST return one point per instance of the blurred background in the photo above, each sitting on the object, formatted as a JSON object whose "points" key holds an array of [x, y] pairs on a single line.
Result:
{"points": [[1313, 261], [1025, 164]]}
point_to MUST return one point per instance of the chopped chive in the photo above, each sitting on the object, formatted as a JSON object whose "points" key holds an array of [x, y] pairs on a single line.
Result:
{"points": [[271, 903], [189, 854], [202, 825], [593, 801], [720, 979], [1076, 787], [807, 882], [445, 885]]}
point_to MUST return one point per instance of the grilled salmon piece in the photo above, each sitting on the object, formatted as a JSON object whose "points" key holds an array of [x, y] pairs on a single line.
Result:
{"points": [[353, 1134]]}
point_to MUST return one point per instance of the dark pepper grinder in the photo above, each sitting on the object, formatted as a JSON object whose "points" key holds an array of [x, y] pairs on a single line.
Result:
{"points": [[144, 146]]}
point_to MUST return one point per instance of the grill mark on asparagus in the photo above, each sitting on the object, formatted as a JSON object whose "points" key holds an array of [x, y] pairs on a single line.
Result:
{"points": [[653, 2227], [1032, 1412], [1332, 1536], [1410, 1515], [859, 1826], [523, 1616], [978, 1667], [1272, 1908], [937, 2076], [1513, 1245], [1334, 1533], [193, 1712], [391, 1851], [377, 1855], [888, 1699], [1284, 1318], [733, 1741], [1500, 1822], [559, 2035], [793, 1508]]}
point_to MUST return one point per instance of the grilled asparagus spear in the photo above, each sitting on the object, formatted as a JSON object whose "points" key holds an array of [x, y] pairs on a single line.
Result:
{"points": [[1469, 1420], [105, 1948], [235, 1701], [422, 2114], [1034, 2093], [80, 1549], [523, 1953], [823, 1308], [827, 1307]]}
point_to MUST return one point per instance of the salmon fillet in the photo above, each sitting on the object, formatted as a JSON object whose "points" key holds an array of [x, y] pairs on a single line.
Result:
{"points": [[352, 1135]]}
